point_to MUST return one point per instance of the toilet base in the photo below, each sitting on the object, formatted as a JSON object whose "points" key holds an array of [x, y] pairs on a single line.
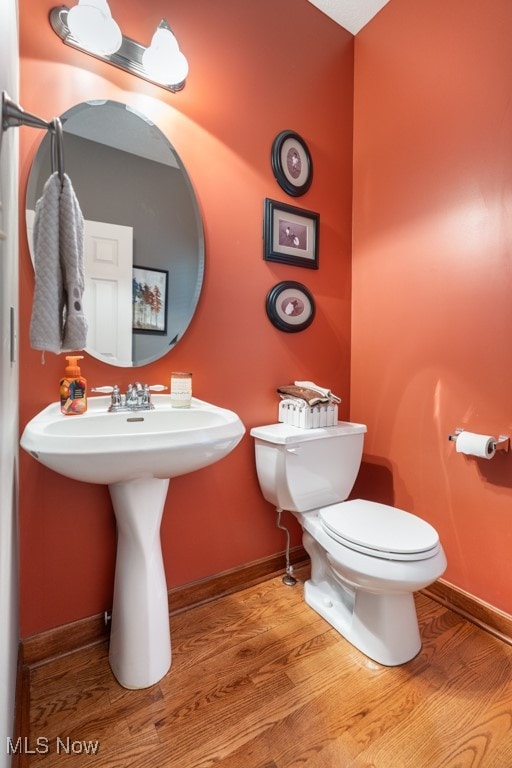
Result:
{"points": [[382, 626]]}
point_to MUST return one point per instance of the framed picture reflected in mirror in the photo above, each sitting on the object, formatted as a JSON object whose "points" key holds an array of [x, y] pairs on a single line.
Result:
{"points": [[149, 300]]}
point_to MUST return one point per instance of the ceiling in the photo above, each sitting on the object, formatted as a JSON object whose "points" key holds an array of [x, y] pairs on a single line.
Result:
{"points": [[350, 14]]}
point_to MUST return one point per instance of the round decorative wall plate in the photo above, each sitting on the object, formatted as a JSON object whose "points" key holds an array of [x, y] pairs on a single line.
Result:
{"points": [[290, 306], [291, 163]]}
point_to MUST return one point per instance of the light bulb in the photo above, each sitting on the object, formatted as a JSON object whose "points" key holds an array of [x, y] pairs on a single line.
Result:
{"points": [[163, 60], [91, 24]]}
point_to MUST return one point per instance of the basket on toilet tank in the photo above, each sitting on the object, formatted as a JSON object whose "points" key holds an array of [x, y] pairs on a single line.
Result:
{"points": [[306, 405], [308, 417]]}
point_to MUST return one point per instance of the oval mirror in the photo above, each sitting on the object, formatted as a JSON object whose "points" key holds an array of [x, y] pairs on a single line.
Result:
{"points": [[144, 241]]}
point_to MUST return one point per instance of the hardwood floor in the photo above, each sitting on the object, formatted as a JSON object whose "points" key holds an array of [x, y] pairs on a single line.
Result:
{"points": [[258, 680]]}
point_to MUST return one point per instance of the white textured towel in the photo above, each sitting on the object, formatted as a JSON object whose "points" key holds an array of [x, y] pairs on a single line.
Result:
{"points": [[58, 323]]}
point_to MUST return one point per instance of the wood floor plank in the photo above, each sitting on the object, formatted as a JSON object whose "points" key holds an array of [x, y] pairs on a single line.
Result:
{"points": [[262, 714], [236, 666], [259, 680], [197, 635], [437, 727], [340, 707]]}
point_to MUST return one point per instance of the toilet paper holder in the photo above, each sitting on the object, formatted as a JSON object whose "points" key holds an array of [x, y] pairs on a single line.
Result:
{"points": [[502, 442]]}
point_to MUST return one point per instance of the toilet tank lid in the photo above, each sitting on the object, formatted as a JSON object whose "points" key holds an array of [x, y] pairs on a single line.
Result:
{"points": [[286, 434]]}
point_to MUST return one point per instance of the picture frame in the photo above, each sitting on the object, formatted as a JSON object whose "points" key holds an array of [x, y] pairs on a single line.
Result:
{"points": [[290, 306], [150, 288], [291, 163], [290, 235]]}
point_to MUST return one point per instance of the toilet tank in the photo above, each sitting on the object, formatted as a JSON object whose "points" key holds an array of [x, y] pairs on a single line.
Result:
{"points": [[302, 469]]}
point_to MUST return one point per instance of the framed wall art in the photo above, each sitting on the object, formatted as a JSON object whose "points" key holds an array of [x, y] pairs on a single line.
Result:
{"points": [[291, 163], [290, 306], [149, 300], [290, 235]]}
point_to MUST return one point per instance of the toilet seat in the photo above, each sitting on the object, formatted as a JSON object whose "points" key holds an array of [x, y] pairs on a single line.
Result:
{"points": [[378, 530]]}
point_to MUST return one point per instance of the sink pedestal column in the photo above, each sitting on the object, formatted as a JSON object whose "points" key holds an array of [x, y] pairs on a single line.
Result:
{"points": [[140, 639]]}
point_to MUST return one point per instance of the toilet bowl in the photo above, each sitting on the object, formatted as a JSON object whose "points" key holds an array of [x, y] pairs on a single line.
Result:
{"points": [[367, 559]]}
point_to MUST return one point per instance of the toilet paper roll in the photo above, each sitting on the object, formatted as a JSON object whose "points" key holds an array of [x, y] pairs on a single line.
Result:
{"points": [[473, 444]]}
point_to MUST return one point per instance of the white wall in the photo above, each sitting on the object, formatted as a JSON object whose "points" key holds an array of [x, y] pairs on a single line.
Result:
{"points": [[9, 622]]}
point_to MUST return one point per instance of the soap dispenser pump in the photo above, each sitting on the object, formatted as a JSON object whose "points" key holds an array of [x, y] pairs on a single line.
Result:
{"points": [[73, 388]]}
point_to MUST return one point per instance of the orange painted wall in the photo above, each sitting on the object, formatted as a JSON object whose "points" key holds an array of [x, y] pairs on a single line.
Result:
{"points": [[432, 273], [255, 69]]}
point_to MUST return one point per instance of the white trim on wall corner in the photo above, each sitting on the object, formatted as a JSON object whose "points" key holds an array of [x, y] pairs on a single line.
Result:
{"points": [[9, 591]]}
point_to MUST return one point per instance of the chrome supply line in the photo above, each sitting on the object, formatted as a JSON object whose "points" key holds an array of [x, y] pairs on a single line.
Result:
{"points": [[288, 579]]}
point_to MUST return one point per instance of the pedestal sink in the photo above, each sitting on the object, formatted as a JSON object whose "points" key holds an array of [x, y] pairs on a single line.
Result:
{"points": [[135, 454]]}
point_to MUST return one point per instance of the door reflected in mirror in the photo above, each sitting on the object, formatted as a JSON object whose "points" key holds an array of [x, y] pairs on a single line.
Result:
{"points": [[144, 241]]}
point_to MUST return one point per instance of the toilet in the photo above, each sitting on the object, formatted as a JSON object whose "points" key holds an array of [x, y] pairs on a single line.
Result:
{"points": [[367, 558]]}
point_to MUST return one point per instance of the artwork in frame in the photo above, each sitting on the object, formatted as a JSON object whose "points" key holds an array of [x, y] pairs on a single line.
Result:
{"points": [[291, 163], [149, 300], [290, 306], [290, 235]]}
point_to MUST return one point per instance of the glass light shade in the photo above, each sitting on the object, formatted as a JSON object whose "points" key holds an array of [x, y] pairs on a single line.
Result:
{"points": [[163, 60], [91, 24]]}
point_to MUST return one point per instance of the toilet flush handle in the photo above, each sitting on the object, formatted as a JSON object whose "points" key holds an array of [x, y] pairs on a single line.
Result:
{"points": [[293, 449]]}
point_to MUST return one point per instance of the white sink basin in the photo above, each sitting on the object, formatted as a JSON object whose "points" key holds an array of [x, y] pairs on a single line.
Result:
{"points": [[135, 454], [102, 447]]}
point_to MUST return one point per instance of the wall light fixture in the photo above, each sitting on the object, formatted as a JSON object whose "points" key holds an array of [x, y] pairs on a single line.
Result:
{"points": [[90, 28], [91, 24], [164, 56]]}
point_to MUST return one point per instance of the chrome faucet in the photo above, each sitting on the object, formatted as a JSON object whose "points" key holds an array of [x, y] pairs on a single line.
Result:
{"points": [[136, 398]]}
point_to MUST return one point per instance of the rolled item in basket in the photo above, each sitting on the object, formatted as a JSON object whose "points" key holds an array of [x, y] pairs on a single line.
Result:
{"points": [[322, 390], [309, 396]]}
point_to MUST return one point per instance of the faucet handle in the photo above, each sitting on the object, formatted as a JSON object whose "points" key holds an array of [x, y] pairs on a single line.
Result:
{"points": [[116, 396], [115, 400], [147, 390]]}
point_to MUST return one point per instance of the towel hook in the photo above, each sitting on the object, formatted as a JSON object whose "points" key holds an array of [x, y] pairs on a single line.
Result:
{"points": [[13, 116], [57, 148]]}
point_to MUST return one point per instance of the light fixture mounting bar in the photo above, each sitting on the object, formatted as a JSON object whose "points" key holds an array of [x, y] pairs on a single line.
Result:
{"points": [[128, 57]]}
